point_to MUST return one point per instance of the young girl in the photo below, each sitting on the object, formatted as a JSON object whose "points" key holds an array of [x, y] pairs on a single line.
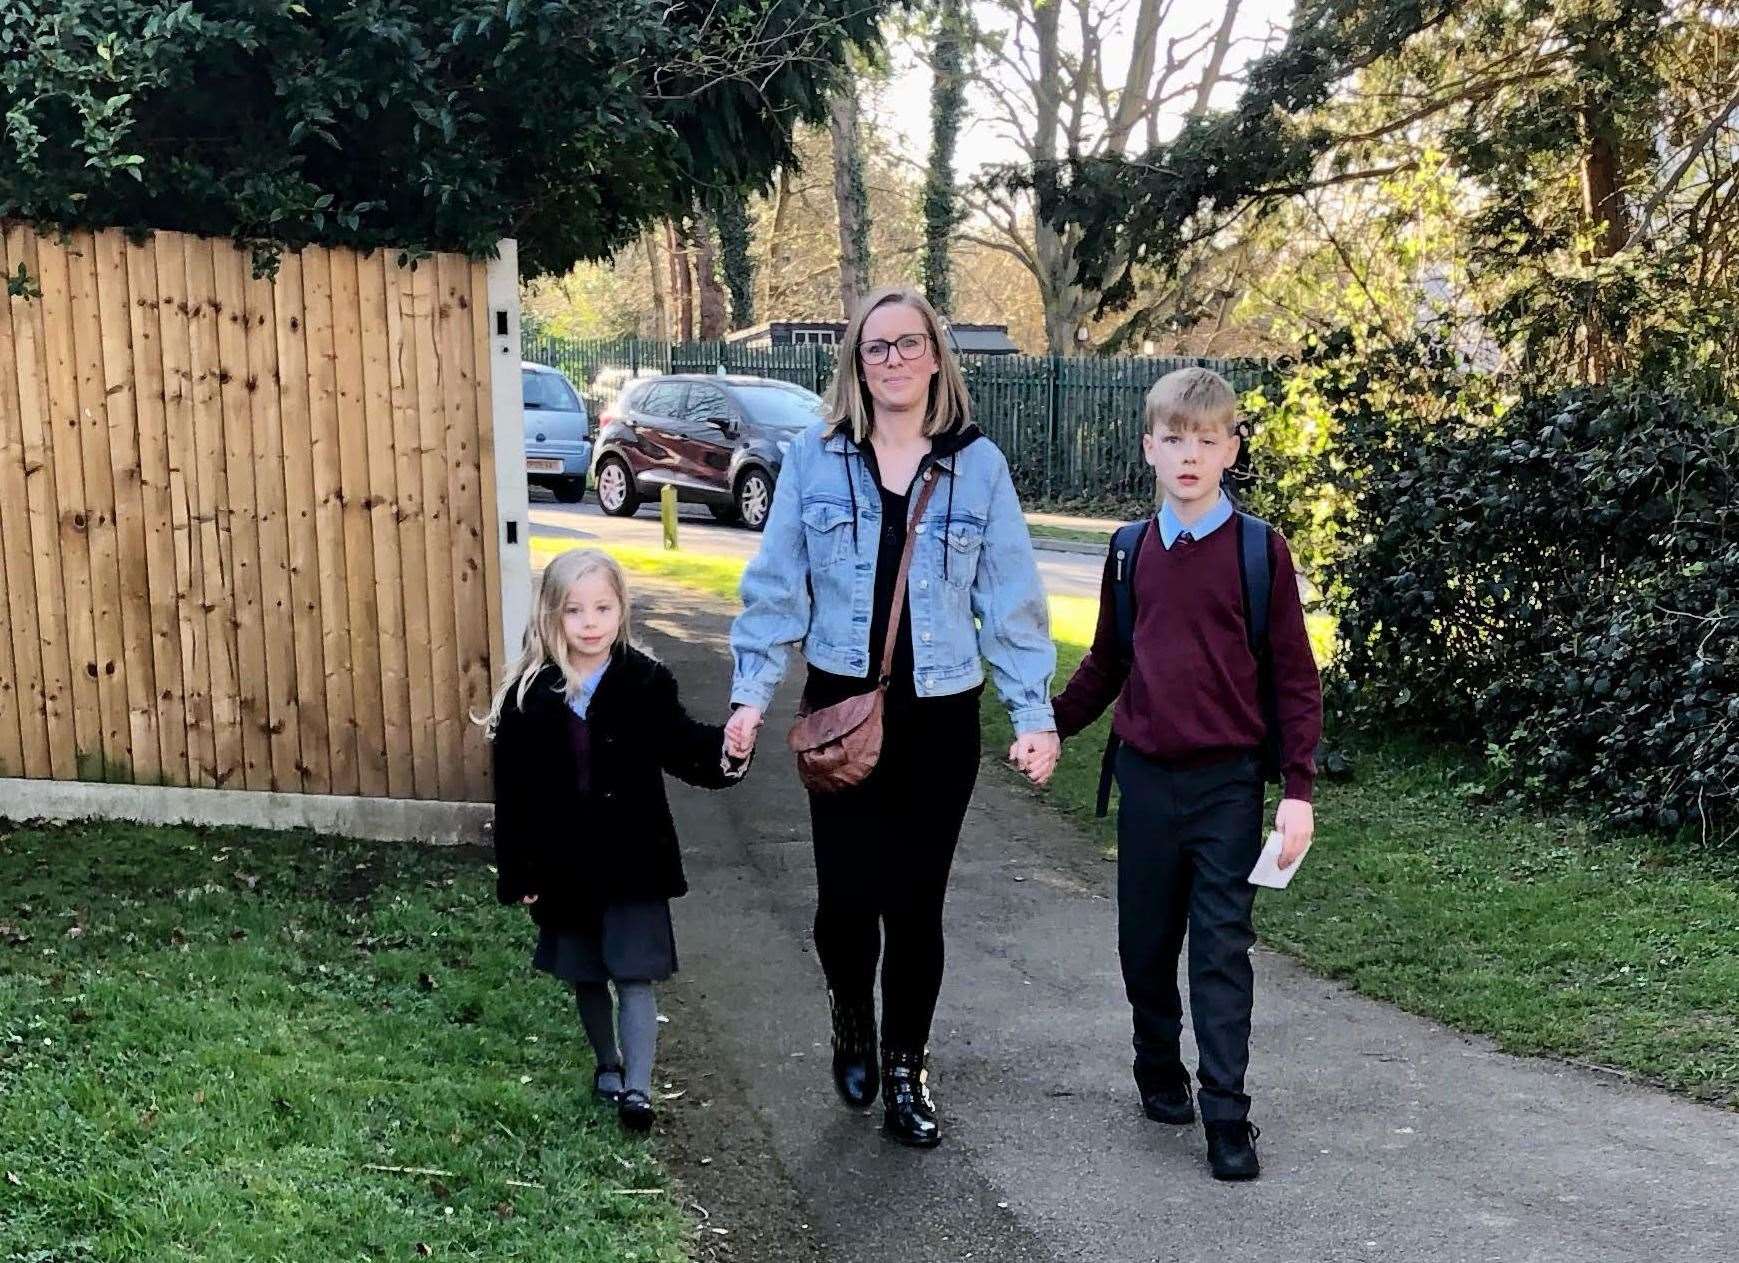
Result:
{"points": [[584, 729]]}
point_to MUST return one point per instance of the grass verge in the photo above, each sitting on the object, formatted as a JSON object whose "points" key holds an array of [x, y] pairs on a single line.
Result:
{"points": [[246, 1046], [1074, 533], [1545, 932]]}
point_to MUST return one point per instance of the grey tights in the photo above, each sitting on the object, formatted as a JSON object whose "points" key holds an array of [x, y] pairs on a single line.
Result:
{"points": [[635, 1010]]}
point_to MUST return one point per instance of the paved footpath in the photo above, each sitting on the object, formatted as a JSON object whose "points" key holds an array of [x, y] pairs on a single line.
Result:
{"points": [[1386, 1137]]}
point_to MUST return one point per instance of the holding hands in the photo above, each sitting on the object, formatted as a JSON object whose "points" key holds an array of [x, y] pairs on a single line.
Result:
{"points": [[1036, 755], [741, 730]]}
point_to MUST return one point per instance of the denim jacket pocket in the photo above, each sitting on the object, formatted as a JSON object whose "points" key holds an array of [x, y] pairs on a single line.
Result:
{"points": [[826, 533], [965, 542]]}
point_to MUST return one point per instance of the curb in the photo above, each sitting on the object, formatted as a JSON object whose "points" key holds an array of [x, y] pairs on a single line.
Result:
{"points": [[373, 819]]}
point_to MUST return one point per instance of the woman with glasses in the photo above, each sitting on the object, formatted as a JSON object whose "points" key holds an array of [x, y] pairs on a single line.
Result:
{"points": [[898, 417]]}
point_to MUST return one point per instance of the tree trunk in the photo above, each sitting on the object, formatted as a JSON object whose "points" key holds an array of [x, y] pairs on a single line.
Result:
{"points": [[732, 219], [947, 99], [1608, 223], [850, 198], [706, 270], [660, 309], [681, 287], [778, 247]]}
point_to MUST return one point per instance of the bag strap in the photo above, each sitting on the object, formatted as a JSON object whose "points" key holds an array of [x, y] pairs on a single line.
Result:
{"points": [[1125, 548], [899, 610], [1254, 577]]}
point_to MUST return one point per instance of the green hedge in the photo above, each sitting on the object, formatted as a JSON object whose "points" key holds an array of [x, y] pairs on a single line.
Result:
{"points": [[1555, 580]]}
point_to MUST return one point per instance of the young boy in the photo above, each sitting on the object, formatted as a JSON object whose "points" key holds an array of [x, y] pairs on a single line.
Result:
{"points": [[1208, 701]]}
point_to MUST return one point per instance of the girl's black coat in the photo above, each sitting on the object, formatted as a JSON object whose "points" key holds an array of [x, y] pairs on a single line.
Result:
{"points": [[576, 851]]}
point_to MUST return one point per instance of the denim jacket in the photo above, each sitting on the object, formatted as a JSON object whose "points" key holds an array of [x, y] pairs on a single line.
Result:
{"points": [[973, 591]]}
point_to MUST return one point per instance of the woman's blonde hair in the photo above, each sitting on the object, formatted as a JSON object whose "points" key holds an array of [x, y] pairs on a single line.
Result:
{"points": [[849, 405], [544, 642]]}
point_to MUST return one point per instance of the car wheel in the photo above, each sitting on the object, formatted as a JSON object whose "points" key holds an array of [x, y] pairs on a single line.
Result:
{"points": [[616, 494], [570, 490], [754, 499]]}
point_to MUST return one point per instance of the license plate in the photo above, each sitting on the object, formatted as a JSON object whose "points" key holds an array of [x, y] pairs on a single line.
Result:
{"points": [[539, 465]]}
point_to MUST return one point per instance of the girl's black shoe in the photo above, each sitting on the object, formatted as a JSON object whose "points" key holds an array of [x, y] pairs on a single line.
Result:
{"points": [[854, 1051], [909, 1115], [599, 1092], [634, 1110]]}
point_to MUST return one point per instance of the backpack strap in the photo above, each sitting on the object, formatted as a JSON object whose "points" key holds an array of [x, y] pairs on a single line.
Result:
{"points": [[1255, 577], [1125, 548]]}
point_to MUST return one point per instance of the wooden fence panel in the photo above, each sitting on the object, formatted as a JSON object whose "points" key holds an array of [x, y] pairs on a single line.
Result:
{"points": [[61, 418], [24, 707], [247, 532], [411, 520], [156, 515], [331, 565], [27, 370]]}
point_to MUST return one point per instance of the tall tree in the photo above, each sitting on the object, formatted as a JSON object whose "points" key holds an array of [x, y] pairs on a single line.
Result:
{"points": [[1055, 99], [947, 102], [850, 196]]}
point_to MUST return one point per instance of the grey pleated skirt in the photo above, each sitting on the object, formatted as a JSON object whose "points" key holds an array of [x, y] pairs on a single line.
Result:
{"points": [[627, 942]]}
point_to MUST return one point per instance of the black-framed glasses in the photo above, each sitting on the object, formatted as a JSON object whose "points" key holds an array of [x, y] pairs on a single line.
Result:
{"points": [[910, 346]]}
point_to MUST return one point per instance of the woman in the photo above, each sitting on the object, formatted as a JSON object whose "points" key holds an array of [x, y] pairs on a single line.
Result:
{"points": [[898, 416]]}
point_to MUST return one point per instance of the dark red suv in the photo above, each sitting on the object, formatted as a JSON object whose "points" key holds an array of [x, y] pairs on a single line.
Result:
{"points": [[718, 440]]}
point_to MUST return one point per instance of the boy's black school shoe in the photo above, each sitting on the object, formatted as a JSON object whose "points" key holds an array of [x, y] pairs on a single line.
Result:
{"points": [[1169, 1104], [598, 1092], [634, 1110], [1232, 1150]]}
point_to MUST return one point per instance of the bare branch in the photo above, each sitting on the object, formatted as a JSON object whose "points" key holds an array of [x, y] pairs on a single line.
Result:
{"points": [[1697, 146]]}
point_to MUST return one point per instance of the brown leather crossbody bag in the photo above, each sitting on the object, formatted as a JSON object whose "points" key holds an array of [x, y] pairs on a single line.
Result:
{"points": [[838, 746]]}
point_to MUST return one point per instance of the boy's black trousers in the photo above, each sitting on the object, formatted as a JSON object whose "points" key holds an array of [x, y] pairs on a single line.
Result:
{"points": [[1187, 839]]}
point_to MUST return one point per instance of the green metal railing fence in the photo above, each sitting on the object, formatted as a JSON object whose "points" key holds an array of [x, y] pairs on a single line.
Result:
{"points": [[1069, 425]]}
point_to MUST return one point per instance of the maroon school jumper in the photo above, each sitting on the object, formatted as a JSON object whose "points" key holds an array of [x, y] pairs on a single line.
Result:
{"points": [[1191, 696]]}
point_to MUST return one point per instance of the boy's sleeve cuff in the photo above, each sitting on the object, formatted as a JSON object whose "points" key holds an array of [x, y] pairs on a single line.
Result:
{"points": [[1296, 786]]}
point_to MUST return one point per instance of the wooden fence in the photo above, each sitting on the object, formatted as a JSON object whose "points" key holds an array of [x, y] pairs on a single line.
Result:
{"points": [[247, 526]]}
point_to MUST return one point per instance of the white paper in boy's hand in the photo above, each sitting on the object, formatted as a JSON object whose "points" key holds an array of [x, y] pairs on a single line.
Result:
{"points": [[1268, 871]]}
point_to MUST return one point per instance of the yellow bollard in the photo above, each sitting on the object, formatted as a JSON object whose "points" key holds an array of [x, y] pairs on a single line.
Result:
{"points": [[667, 515]]}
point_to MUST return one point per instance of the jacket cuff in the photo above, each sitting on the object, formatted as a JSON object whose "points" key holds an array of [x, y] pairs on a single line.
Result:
{"points": [[1034, 719], [748, 693], [1297, 785]]}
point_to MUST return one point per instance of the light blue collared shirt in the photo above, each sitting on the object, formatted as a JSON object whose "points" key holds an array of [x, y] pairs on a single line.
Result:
{"points": [[1170, 527], [581, 701]]}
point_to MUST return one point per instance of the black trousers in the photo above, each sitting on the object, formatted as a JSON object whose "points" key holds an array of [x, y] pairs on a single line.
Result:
{"points": [[883, 850], [1186, 842]]}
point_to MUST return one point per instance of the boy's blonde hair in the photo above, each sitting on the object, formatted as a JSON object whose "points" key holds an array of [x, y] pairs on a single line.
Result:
{"points": [[849, 405], [1191, 399], [544, 642]]}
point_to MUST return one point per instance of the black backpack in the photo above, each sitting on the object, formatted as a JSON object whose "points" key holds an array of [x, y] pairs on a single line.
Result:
{"points": [[1254, 577]]}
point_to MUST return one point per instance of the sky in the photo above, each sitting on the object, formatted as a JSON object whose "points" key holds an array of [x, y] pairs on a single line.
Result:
{"points": [[903, 107]]}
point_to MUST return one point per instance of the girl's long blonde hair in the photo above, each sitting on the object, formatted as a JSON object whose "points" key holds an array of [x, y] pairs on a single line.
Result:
{"points": [[849, 404], [544, 643]]}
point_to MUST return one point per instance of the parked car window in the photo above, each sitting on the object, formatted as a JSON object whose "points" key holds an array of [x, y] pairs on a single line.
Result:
{"points": [[548, 390], [783, 406], [663, 400], [707, 404]]}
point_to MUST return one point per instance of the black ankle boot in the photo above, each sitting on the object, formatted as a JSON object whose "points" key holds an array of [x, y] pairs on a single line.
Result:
{"points": [[909, 1115], [1232, 1150], [854, 1051]]}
